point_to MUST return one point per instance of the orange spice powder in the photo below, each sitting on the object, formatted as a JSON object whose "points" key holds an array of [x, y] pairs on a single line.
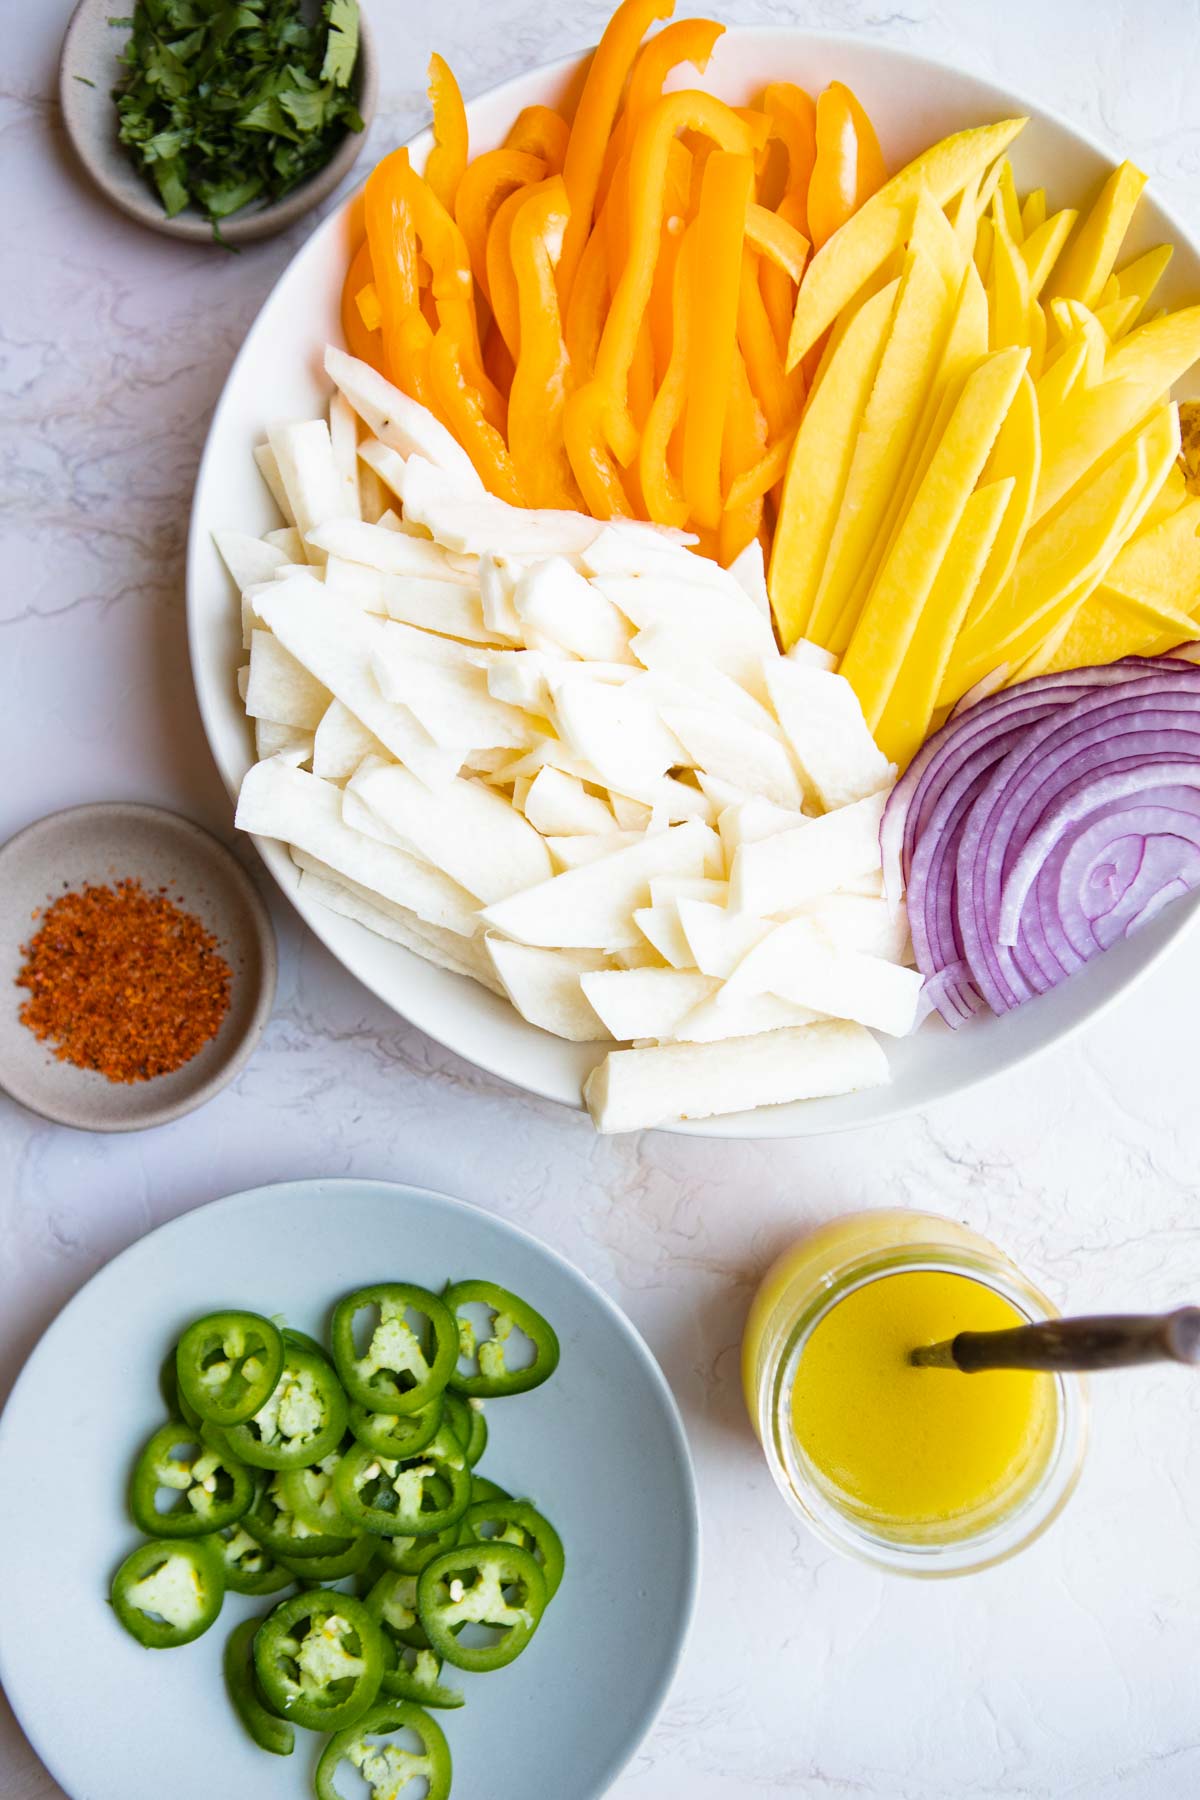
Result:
{"points": [[124, 982]]}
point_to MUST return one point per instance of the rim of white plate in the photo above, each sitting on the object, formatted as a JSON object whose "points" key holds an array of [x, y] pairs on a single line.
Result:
{"points": [[798, 1119]]}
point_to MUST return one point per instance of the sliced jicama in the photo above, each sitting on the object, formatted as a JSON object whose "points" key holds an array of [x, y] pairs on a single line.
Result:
{"points": [[717, 938], [749, 570], [304, 457], [340, 743], [343, 438], [465, 829], [441, 947], [249, 559], [280, 688], [281, 802], [618, 732], [779, 873], [450, 699], [592, 907], [337, 648], [577, 852], [660, 927], [824, 723], [268, 468], [798, 962], [857, 922], [479, 522], [398, 421], [634, 1089], [433, 603], [743, 1016], [748, 821], [559, 805], [544, 987], [737, 753], [645, 1003], [555, 602], [292, 741], [389, 552]]}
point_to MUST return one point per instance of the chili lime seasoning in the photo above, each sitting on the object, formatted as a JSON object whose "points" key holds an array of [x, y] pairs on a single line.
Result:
{"points": [[123, 981]]}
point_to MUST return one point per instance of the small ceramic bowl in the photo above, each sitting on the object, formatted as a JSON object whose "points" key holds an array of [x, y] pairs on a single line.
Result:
{"points": [[113, 842], [87, 72]]}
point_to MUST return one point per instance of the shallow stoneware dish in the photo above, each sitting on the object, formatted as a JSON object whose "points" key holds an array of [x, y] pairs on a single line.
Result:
{"points": [[600, 1448], [89, 68], [279, 374], [99, 845]]}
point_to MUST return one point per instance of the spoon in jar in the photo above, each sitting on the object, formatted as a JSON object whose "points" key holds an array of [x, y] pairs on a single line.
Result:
{"points": [[1107, 1341]]}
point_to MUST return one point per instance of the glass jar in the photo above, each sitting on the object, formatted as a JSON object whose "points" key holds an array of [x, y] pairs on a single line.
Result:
{"points": [[800, 1290]]}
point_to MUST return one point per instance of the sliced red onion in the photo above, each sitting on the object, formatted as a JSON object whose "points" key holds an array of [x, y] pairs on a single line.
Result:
{"points": [[1043, 824]]}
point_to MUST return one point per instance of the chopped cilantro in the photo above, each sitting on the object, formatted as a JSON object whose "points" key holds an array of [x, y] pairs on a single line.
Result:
{"points": [[228, 101]]}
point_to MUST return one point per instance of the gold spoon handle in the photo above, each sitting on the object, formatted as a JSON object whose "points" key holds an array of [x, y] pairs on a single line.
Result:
{"points": [[1109, 1341]]}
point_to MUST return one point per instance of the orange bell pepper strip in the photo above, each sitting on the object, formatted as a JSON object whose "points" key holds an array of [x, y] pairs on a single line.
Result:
{"points": [[360, 341], [488, 181], [648, 165], [661, 305], [762, 477], [849, 167], [452, 286], [391, 238], [447, 161], [498, 362], [604, 495], [793, 116], [742, 447], [684, 41], [778, 288], [593, 123], [460, 406], [540, 131], [779, 241], [641, 378], [588, 307], [664, 497], [501, 282], [720, 234], [772, 388], [539, 389]]}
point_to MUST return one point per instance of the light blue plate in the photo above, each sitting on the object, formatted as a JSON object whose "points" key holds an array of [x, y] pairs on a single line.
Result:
{"points": [[600, 1448]]}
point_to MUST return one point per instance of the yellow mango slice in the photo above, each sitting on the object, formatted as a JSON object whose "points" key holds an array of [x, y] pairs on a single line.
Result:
{"points": [[1140, 278], [878, 229], [1083, 432], [963, 214], [1108, 293], [1033, 212], [922, 318], [1043, 246], [889, 618], [1160, 567], [1171, 495], [965, 348], [1036, 334], [820, 462], [907, 716], [984, 234], [1008, 288], [1005, 202], [1158, 353], [1117, 316], [1016, 457], [1064, 559], [1106, 627], [1091, 256]]}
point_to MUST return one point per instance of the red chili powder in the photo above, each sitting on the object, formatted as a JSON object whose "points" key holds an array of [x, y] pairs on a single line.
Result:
{"points": [[123, 981]]}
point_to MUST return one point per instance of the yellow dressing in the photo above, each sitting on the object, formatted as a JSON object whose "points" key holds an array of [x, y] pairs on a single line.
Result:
{"points": [[905, 1446]]}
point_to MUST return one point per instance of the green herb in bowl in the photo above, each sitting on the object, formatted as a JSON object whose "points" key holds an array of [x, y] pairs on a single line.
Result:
{"points": [[228, 102]]}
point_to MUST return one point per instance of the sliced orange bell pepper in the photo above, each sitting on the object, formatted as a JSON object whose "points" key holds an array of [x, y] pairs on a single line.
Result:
{"points": [[593, 123], [665, 500], [793, 116], [451, 285], [660, 308], [588, 305], [599, 481], [391, 238], [498, 361], [488, 181], [778, 288], [683, 41], [502, 283], [447, 161], [849, 166], [744, 441], [460, 406], [771, 233], [540, 131], [641, 377], [772, 388], [720, 235], [360, 340], [539, 389], [649, 159], [759, 480]]}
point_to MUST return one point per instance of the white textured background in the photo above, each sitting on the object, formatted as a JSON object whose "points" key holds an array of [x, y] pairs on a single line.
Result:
{"points": [[1071, 1674]]}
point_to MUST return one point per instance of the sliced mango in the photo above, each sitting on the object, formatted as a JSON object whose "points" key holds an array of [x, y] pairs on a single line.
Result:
{"points": [[1016, 457], [820, 462], [1091, 256], [1043, 247], [889, 618], [910, 706], [1033, 212], [1140, 278], [879, 228]]}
